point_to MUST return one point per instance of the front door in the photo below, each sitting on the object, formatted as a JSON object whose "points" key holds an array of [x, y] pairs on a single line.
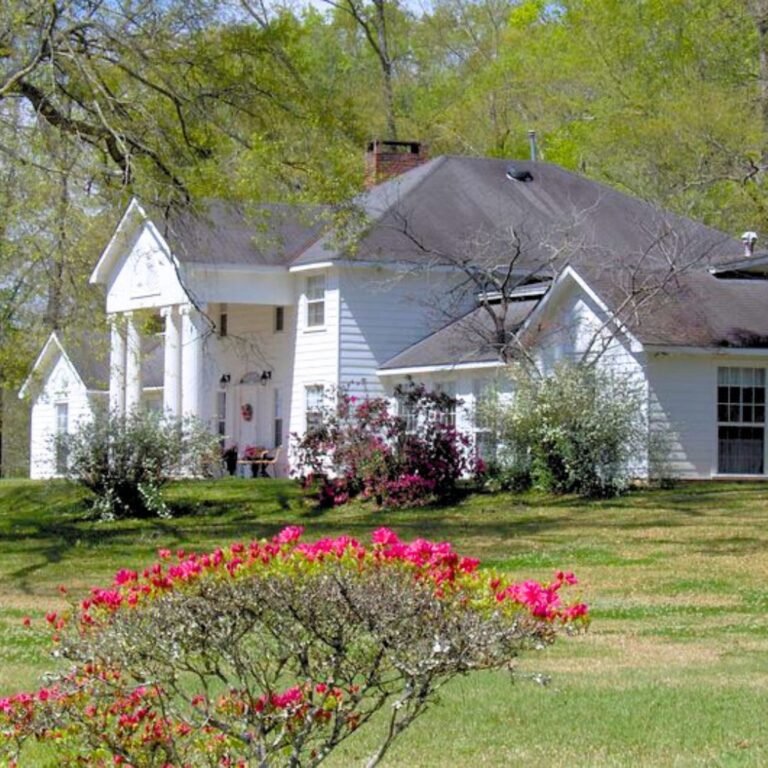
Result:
{"points": [[247, 416]]}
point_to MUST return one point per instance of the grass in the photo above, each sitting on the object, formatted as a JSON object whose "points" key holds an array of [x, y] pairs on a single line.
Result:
{"points": [[671, 673]]}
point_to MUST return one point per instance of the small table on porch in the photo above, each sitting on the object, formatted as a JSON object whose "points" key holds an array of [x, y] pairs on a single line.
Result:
{"points": [[259, 457]]}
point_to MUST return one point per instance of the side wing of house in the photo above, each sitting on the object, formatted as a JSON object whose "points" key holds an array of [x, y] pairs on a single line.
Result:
{"points": [[710, 404], [60, 402]]}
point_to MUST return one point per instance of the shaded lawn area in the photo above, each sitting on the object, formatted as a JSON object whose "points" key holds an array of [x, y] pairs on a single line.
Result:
{"points": [[673, 672]]}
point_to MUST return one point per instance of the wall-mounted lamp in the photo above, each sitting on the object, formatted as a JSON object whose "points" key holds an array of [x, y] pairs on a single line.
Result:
{"points": [[225, 379], [265, 377]]}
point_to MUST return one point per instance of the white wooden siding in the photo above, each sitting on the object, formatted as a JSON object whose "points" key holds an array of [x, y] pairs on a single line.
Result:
{"points": [[683, 402], [383, 313], [62, 385], [315, 350]]}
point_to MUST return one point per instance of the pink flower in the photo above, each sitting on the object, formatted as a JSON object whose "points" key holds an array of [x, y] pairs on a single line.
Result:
{"points": [[164, 554], [125, 576], [26, 621], [289, 534], [384, 536]]}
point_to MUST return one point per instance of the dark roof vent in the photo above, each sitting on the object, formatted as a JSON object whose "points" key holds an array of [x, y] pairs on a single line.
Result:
{"points": [[515, 174]]}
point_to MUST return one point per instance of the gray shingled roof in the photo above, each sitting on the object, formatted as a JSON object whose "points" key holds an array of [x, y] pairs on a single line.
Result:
{"points": [[89, 353], [465, 340], [217, 232], [466, 207]]}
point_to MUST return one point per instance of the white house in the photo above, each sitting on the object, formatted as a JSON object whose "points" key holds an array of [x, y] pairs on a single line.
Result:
{"points": [[262, 310]]}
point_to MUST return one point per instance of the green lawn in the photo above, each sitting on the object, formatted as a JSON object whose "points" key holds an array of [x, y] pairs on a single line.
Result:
{"points": [[673, 672]]}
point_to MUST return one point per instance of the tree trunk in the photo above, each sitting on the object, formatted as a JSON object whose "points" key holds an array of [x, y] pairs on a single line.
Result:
{"points": [[386, 68], [54, 310], [759, 10]]}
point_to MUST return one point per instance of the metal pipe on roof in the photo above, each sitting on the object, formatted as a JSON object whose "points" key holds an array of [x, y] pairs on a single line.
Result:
{"points": [[532, 142]]}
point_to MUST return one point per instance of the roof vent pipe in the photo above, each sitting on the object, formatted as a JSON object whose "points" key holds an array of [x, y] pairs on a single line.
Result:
{"points": [[532, 142], [749, 239]]}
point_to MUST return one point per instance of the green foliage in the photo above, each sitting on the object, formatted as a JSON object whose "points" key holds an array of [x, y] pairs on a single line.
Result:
{"points": [[126, 460], [580, 430]]}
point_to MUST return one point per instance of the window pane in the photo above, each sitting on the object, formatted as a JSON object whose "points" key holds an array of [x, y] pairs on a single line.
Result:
{"points": [[314, 396], [740, 450], [316, 313], [316, 287]]}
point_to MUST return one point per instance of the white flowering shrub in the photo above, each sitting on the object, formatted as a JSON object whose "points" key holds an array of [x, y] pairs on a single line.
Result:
{"points": [[126, 460], [580, 430]]}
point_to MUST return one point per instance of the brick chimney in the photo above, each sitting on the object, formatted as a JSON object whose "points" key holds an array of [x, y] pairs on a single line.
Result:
{"points": [[385, 159]]}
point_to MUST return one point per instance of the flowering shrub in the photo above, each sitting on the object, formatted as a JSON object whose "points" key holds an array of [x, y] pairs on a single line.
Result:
{"points": [[362, 448], [273, 652], [579, 430], [126, 460]]}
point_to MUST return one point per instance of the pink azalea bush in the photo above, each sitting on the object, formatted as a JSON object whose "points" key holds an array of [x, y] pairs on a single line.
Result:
{"points": [[273, 652], [361, 448]]}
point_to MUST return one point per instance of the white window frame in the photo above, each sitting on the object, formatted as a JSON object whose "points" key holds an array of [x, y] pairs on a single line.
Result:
{"points": [[408, 414], [481, 388], [447, 418], [278, 417], [62, 429], [731, 376], [315, 300], [312, 391], [221, 412]]}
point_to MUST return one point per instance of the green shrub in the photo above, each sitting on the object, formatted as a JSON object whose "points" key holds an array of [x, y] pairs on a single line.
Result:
{"points": [[126, 460], [580, 430]]}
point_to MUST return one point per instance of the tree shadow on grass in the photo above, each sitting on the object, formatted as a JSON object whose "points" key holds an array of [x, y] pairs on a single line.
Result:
{"points": [[48, 528]]}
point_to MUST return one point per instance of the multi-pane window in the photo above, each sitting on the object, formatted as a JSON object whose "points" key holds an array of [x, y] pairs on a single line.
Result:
{"points": [[485, 434], [407, 411], [221, 412], [447, 416], [278, 415], [315, 301], [279, 319], [62, 428], [314, 406], [741, 420]]}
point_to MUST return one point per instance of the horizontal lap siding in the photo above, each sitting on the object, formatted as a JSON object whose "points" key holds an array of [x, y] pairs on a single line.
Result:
{"points": [[380, 316], [683, 402], [316, 356]]}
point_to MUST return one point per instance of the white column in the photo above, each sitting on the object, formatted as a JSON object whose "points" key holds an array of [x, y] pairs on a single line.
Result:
{"points": [[117, 365], [172, 363], [191, 361], [132, 365]]}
